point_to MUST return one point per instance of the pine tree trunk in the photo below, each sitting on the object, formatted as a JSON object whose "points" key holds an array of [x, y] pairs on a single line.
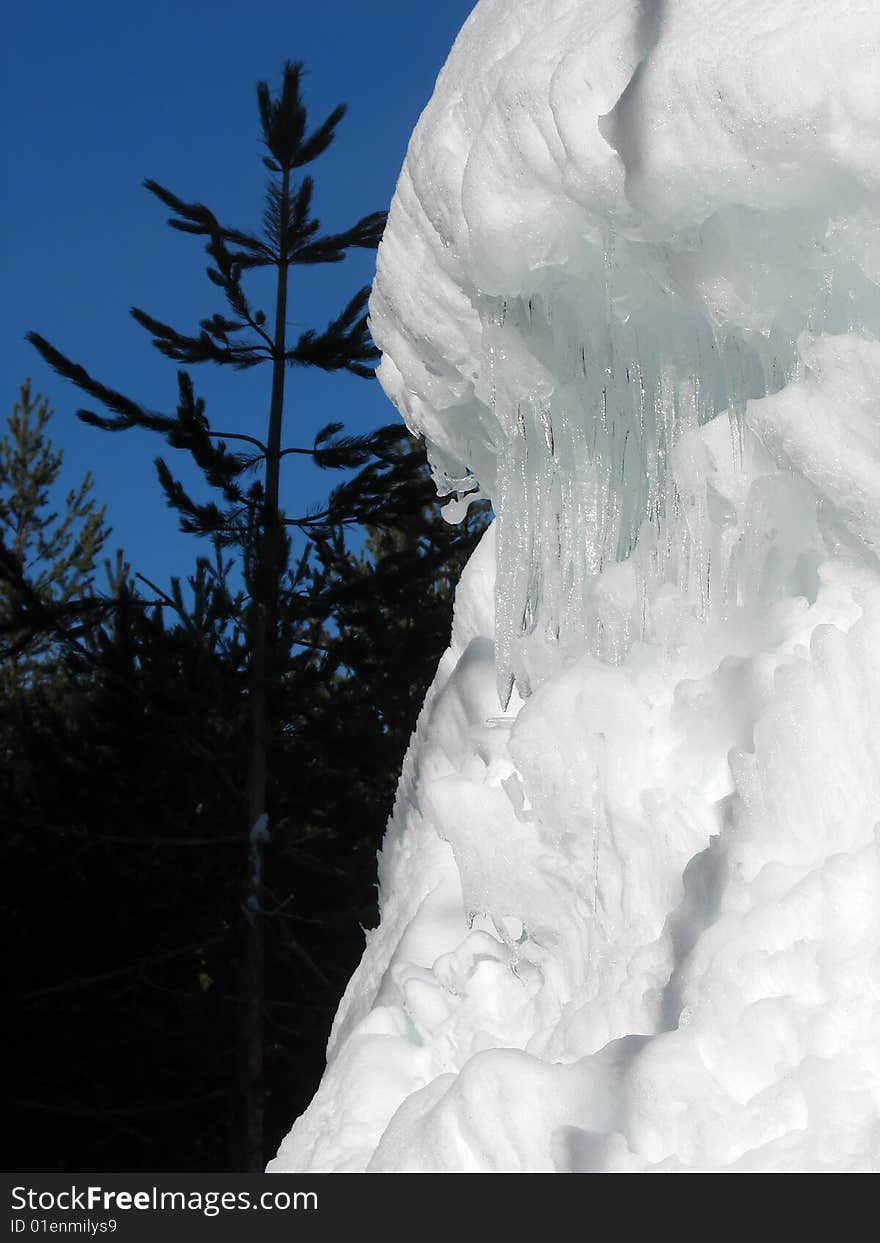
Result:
{"points": [[264, 639]]}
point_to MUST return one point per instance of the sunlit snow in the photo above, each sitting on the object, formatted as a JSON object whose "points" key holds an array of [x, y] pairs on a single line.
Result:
{"points": [[630, 891]]}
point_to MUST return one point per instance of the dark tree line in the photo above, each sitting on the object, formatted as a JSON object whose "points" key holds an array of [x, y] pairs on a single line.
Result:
{"points": [[121, 756], [198, 775]]}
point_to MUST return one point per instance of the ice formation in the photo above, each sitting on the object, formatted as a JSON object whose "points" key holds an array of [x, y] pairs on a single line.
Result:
{"points": [[630, 892]]}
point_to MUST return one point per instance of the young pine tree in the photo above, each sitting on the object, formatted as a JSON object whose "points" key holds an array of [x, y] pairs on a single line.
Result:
{"points": [[47, 554], [250, 518]]}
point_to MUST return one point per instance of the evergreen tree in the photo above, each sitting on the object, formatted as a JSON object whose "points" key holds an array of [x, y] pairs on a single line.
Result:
{"points": [[125, 910], [250, 518], [48, 554], [117, 799]]}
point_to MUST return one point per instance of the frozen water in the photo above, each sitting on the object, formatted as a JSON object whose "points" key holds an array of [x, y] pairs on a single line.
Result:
{"points": [[584, 309], [629, 290]]}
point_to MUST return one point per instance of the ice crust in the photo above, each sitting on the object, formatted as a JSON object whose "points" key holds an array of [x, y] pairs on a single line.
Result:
{"points": [[630, 916]]}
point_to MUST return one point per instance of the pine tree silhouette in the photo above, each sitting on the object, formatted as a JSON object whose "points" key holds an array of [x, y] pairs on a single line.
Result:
{"points": [[246, 516]]}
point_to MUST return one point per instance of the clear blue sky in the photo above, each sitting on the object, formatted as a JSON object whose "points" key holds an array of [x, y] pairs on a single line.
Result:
{"points": [[100, 95]]}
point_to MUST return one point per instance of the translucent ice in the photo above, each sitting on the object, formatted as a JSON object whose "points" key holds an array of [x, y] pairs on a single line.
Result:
{"points": [[629, 213]]}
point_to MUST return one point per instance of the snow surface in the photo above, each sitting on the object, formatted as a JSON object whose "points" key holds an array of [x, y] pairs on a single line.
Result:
{"points": [[630, 920]]}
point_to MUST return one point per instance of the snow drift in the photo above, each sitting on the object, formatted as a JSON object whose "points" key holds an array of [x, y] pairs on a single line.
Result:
{"points": [[631, 887]]}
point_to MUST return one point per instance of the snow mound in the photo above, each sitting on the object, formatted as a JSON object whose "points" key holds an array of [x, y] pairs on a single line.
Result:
{"points": [[629, 290]]}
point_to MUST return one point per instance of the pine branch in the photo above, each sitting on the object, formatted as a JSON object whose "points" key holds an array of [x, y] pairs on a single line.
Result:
{"points": [[198, 519], [251, 440], [283, 122], [29, 616], [366, 235], [345, 452], [198, 219], [128, 413], [319, 140], [203, 348], [344, 345]]}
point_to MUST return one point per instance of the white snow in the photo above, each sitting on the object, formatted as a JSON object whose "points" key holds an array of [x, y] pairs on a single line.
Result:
{"points": [[630, 920]]}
